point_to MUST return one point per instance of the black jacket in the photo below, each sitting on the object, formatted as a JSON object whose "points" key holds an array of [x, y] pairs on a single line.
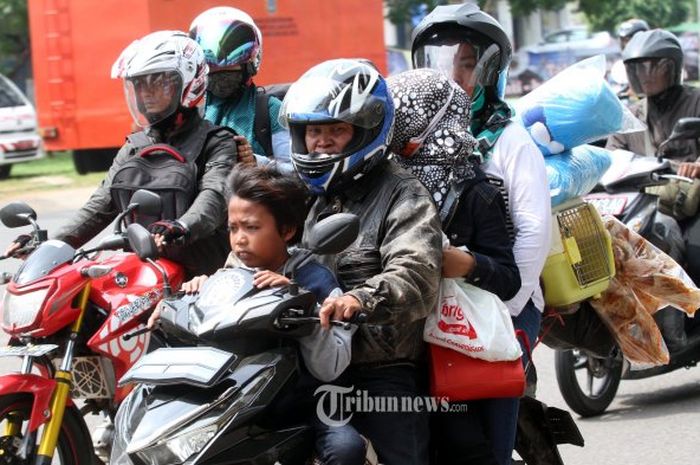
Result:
{"points": [[393, 268], [207, 246], [479, 223], [660, 114]]}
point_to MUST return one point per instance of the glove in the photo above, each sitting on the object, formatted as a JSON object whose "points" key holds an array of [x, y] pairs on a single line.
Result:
{"points": [[23, 239], [171, 230]]}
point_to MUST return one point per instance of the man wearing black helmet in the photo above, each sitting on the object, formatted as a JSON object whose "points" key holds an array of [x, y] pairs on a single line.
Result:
{"points": [[654, 63], [618, 75], [629, 28]]}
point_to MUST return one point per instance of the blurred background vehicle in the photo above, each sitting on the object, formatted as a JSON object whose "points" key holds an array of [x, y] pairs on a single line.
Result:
{"points": [[19, 139], [534, 64], [81, 109]]}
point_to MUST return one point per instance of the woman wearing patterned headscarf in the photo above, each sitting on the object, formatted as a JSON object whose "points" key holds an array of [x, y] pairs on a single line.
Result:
{"points": [[432, 140]]}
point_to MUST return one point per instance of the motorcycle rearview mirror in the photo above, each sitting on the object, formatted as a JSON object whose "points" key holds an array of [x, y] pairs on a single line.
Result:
{"points": [[141, 242], [112, 242], [145, 247], [685, 128], [147, 203], [333, 234], [17, 214]]}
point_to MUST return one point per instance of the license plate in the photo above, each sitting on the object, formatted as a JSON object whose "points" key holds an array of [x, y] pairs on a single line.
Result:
{"points": [[30, 350], [607, 204]]}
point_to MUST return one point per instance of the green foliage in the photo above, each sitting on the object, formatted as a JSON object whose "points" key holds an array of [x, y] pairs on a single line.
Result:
{"points": [[401, 11], [607, 14], [14, 35], [525, 7]]}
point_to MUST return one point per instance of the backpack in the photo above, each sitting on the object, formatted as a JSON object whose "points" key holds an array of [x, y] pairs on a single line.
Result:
{"points": [[262, 126], [170, 172]]}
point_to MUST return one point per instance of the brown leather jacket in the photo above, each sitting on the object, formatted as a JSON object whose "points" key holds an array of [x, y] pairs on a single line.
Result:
{"points": [[660, 113], [394, 266]]}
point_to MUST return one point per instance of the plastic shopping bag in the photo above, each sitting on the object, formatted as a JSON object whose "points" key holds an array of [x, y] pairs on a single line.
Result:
{"points": [[575, 107], [472, 321], [575, 172], [646, 281]]}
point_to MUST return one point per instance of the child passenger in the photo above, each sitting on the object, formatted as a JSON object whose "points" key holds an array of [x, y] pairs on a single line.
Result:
{"points": [[266, 212]]}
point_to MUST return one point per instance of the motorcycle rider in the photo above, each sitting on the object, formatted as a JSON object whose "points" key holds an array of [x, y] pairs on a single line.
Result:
{"points": [[340, 116], [625, 30], [232, 45], [654, 63], [472, 48], [165, 77]]}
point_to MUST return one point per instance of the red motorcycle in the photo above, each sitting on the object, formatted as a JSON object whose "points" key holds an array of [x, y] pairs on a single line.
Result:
{"points": [[76, 319]]}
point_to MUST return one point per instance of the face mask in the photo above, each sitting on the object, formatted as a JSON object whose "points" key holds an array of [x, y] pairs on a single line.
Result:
{"points": [[226, 84], [415, 143]]}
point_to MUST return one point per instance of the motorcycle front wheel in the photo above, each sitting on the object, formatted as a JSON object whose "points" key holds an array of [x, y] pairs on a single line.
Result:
{"points": [[73, 446], [588, 384]]}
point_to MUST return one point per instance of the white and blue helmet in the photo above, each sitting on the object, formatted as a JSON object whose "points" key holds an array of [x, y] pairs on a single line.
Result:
{"points": [[342, 90]]}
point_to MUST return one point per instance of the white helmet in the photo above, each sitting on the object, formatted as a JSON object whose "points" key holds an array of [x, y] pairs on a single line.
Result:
{"points": [[162, 72]]}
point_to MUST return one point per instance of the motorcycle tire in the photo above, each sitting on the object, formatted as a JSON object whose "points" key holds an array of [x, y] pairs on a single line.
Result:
{"points": [[74, 446], [581, 399]]}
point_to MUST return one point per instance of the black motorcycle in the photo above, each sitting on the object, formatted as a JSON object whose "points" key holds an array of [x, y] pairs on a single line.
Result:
{"points": [[219, 398], [590, 371]]}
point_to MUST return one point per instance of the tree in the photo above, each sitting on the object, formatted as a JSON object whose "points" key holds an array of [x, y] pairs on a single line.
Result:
{"points": [[401, 11], [606, 15], [14, 36], [601, 14]]}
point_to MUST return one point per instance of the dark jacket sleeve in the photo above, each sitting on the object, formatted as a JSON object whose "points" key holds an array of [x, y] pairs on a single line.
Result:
{"points": [[98, 212], [480, 225], [411, 257], [208, 211]]}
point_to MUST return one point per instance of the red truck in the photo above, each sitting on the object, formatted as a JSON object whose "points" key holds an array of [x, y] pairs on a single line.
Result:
{"points": [[75, 42]]}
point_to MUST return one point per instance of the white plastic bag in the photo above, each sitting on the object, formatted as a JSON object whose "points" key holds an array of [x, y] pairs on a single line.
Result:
{"points": [[472, 321]]}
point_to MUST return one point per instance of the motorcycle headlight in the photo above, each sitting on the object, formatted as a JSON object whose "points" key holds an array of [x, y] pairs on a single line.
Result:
{"points": [[179, 448], [190, 440], [20, 310]]}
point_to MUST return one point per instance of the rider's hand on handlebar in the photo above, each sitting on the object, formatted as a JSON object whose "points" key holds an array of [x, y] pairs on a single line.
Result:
{"points": [[689, 170], [155, 316], [19, 242], [338, 308], [193, 285], [169, 230]]}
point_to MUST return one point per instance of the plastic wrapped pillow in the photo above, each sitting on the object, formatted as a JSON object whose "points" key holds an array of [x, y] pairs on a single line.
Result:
{"points": [[576, 172], [575, 107]]}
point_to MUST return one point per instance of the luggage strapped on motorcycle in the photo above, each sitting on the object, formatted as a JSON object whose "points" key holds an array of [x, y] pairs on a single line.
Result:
{"points": [[161, 168]]}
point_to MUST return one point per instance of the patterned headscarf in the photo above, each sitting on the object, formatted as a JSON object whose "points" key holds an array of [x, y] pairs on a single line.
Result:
{"points": [[431, 129]]}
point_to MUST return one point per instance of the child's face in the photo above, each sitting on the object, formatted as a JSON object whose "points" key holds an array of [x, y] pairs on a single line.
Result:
{"points": [[328, 138], [254, 236]]}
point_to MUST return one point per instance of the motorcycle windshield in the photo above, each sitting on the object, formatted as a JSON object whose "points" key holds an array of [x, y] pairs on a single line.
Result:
{"points": [[46, 258], [218, 296]]}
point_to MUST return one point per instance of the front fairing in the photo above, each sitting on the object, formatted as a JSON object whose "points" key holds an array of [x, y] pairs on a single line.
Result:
{"points": [[231, 312], [44, 260], [154, 415]]}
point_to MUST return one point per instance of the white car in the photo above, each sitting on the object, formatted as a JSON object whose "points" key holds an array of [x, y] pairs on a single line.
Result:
{"points": [[19, 139]]}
